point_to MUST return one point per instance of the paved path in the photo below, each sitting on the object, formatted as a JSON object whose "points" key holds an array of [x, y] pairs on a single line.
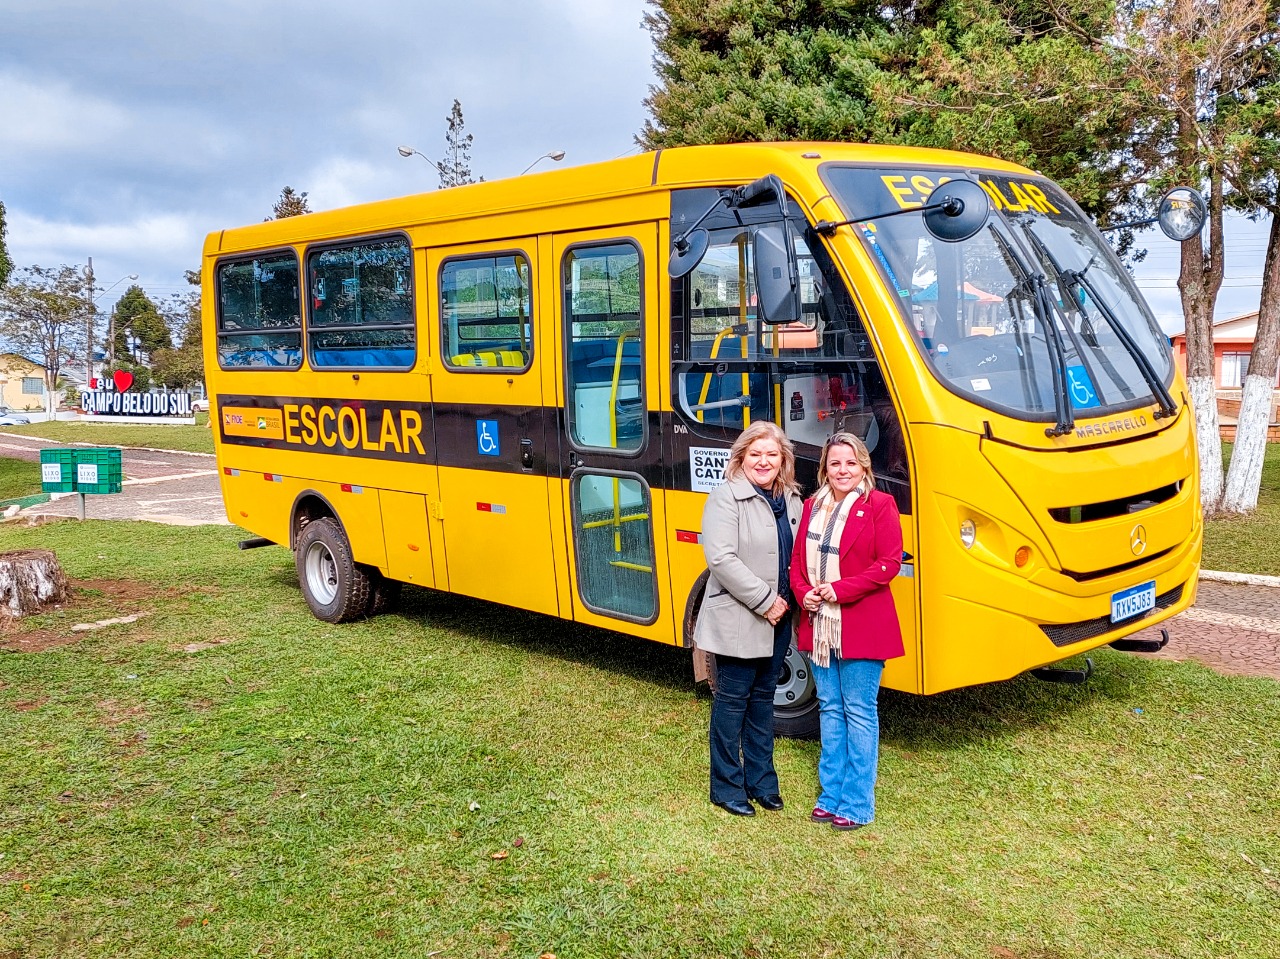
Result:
{"points": [[180, 489], [1234, 629]]}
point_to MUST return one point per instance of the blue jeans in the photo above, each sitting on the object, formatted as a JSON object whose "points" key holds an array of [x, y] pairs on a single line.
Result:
{"points": [[742, 723], [850, 725]]}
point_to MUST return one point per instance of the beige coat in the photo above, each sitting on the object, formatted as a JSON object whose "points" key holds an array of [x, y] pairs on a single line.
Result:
{"points": [[740, 540]]}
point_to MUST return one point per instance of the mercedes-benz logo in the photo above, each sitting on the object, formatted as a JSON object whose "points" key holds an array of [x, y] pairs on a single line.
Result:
{"points": [[1138, 540]]}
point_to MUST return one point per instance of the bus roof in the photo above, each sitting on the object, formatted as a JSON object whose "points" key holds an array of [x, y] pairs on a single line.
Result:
{"points": [[678, 167]]}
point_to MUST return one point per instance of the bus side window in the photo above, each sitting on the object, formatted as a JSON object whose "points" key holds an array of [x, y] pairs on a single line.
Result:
{"points": [[360, 310], [259, 312], [486, 313], [602, 314]]}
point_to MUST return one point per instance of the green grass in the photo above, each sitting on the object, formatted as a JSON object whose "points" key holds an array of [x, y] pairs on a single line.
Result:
{"points": [[18, 478], [191, 439], [299, 789], [1249, 544]]}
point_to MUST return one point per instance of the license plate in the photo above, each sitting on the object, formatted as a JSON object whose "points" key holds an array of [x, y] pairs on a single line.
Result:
{"points": [[1133, 601]]}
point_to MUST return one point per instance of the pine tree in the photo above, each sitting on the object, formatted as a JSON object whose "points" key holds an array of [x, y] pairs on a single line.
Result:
{"points": [[290, 203], [455, 168]]}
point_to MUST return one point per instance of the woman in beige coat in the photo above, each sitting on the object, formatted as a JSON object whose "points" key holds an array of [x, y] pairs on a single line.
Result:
{"points": [[748, 526]]}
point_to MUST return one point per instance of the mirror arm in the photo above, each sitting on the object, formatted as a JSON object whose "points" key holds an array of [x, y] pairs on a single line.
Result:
{"points": [[681, 243], [953, 206], [1132, 223]]}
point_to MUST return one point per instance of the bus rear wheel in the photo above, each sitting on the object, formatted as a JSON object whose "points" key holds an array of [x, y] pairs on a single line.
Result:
{"points": [[795, 702], [336, 587]]}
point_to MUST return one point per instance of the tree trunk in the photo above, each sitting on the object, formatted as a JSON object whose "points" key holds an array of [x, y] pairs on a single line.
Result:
{"points": [[31, 580], [1199, 279], [1245, 476]]}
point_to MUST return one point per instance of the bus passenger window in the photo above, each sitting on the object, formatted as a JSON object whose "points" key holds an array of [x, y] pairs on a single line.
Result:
{"points": [[602, 314], [486, 313], [360, 312], [259, 313]]}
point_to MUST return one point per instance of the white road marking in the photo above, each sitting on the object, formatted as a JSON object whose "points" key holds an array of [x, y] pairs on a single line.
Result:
{"points": [[163, 479]]}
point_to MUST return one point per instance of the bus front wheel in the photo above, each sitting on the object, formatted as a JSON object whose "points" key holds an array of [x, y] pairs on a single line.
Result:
{"points": [[335, 586]]}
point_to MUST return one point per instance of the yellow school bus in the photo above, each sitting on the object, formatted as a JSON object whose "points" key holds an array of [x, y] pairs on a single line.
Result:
{"points": [[523, 390]]}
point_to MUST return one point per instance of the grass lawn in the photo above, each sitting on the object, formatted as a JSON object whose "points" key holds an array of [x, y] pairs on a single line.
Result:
{"points": [[1249, 544], [191, 439], [18, 478], [229, 777]]}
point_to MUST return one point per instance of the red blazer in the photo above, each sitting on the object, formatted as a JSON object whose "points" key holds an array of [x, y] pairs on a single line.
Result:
{"points": [[870, 556]]}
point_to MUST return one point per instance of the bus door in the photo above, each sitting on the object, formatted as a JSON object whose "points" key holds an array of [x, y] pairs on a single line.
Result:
{"points": [[490, 419], [607, 320]]}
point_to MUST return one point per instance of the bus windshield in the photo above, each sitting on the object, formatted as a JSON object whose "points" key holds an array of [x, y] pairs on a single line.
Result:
{"points": [[1034, 306]]}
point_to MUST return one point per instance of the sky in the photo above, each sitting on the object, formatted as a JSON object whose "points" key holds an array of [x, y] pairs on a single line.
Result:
{"points": [[130, 130]]}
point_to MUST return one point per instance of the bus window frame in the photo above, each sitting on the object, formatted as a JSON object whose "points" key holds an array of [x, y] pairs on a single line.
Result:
{"points": [[249, 257], [530, 262], [575, 478], [346, 243], [566, 336]]}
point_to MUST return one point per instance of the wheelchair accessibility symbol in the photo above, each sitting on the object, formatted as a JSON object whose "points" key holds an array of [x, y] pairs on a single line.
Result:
{"points": [[1082, 395], [487, 437]]}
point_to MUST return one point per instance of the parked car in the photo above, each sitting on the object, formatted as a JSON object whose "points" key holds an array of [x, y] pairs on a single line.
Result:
{"points": [[11, 417], [200, 405]]}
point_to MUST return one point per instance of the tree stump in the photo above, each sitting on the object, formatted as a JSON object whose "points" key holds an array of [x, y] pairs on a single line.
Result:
{"points": [[31, 580]]}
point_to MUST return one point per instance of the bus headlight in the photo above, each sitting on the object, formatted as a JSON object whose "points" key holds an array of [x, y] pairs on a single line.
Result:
{"points": [[968, 533]]}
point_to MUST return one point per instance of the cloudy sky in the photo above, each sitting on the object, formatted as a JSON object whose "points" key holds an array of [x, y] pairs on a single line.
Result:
{"points": [[129, 130]]}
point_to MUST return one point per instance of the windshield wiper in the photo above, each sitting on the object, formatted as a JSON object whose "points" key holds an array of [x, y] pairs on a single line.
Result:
{"points": [[1037, 292], [1078, 280]]}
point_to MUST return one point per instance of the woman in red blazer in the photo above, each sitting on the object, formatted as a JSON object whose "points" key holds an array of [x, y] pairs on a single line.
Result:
{"points": [[848, 550]]}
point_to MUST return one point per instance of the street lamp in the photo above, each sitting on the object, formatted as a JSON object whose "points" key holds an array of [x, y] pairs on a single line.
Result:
{"points": [[555, 156], [93, 309], [405, 151]]}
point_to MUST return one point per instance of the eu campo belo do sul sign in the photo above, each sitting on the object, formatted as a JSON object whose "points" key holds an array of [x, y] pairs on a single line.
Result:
{"points": [[113, 397]]}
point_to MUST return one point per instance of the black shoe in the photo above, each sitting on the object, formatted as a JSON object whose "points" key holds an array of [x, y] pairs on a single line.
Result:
{"points": [[772, 803], [738, 807]]}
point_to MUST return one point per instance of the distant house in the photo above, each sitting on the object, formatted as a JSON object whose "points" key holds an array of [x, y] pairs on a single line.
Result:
{"points": [[1232, 343], [21, 383]]}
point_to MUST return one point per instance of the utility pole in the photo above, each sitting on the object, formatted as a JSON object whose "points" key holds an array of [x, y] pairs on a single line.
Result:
{"points": [[88, 350]]}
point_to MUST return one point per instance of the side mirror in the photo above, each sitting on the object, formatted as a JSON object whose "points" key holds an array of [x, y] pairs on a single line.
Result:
{"points": [[956, 210], [687, 252], [1182, 213], [777, 283]]}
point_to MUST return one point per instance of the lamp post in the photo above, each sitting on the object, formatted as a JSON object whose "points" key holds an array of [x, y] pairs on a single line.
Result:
{"points": [[405, 151], [554, 155], [111, 332]]}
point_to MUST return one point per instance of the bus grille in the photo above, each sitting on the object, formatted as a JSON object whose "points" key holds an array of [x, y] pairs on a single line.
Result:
{"points": [[1064, 634]]}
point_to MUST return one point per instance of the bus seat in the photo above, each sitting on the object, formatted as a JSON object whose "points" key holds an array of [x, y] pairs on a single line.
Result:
{"points": [[463, 359], [511, 358]]}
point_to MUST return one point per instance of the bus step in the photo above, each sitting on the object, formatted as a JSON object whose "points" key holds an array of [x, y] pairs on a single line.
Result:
{"points": [[255, 542], [1130, 645], [1057, 674]]}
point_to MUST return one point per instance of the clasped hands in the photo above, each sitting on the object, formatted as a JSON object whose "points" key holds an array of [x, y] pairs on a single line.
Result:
{"points": [[825, 593]]}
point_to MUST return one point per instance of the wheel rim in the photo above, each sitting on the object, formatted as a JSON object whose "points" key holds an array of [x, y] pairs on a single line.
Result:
{"points": [[795, 684], [322, 573]]}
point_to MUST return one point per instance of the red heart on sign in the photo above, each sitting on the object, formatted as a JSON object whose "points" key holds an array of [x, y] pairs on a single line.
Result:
{"points": [[123, 379]]}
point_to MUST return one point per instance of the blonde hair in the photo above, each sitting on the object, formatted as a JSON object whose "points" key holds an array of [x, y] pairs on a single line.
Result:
{"points": [[785, 481], [860, 453]]}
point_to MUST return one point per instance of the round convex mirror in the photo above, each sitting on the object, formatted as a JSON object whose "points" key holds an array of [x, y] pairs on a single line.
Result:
{"points": [[1182, 213], [956, 210], [688, 253]]}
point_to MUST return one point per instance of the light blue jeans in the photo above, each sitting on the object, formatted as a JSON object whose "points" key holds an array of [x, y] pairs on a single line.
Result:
{"points": [[850, 726]]}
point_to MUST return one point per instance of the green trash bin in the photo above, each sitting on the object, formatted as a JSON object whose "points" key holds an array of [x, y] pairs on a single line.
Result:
{"points": [[58, 471], [98, 470]]}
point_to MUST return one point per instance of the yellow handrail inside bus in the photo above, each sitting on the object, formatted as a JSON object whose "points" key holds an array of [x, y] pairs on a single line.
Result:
{"points": [[618, 518]]}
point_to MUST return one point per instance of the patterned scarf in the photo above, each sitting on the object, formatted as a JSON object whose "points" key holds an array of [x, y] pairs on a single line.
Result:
{"points": [[822, 557]]}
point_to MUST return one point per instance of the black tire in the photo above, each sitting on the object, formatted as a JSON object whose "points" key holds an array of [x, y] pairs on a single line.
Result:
{"points": [[384, 593], [336, 587]]}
